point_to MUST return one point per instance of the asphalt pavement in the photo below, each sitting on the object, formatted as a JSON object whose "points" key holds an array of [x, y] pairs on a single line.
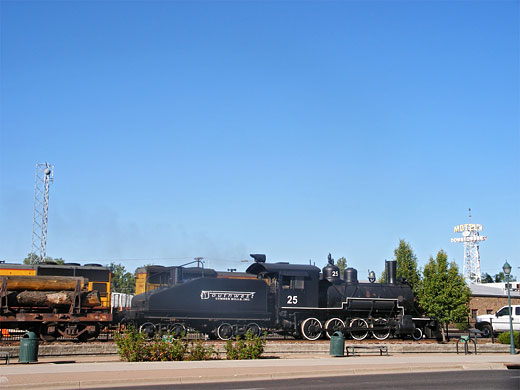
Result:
{"points": [[449, 380]]}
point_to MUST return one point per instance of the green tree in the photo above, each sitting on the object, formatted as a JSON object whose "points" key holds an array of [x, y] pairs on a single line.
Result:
{"points": [[443, 292], [32, 258], [497, 278], [406, 266], [59, 261], [122, 281], [487, 278], [341, 264]]}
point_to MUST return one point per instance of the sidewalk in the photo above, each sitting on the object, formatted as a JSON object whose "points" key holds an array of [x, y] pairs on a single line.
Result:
{"points": [[57, 374]]}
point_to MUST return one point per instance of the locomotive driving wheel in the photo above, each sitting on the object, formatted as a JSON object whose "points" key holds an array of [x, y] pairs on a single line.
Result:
{"points": [[360, 331], [311, 329], [333, 325], [225, 331], [380, 329]]}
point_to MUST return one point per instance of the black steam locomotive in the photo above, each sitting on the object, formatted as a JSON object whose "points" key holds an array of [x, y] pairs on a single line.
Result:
{"points": [[289, 299]]}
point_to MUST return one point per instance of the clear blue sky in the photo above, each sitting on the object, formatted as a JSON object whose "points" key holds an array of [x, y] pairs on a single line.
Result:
{"points": [[295, 129]]}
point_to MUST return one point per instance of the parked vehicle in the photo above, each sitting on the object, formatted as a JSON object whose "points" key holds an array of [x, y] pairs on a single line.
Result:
{"points": [[499, 322]]}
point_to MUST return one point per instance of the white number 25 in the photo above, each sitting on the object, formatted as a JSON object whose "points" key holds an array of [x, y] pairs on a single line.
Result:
{"points": [[292, 299]]}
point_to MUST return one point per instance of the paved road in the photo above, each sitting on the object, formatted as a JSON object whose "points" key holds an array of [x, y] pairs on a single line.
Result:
{"points": [[454, 380]]}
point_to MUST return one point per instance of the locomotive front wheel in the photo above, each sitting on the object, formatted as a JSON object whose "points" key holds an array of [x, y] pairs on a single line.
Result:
{"points": [[417, 334], [225, 331], [360, 331], [148, 329], [311, 329], [333, 325], [381, 334]]}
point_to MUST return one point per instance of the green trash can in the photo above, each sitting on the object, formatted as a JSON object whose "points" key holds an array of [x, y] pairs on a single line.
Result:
{"points": [[337, 344], [29, 348]]}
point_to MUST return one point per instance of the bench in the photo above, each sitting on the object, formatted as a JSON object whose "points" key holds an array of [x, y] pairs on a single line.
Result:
{"points": [[6, 356], [351, 349]]}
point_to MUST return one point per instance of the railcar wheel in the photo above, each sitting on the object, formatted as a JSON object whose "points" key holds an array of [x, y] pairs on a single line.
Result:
{"points": [[254, 329], [333, 325], [311, 329], [49, 332], [381, 334], [148, 329], [225, 331], [361, 329], [176, 330], [417, 334], [89, 335]]}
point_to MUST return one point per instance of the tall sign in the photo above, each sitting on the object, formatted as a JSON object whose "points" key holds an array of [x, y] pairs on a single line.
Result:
{"points": [[471, 238]]}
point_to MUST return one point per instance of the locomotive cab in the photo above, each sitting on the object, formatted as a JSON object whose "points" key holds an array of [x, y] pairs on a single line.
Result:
{"points": [[292, 286]]}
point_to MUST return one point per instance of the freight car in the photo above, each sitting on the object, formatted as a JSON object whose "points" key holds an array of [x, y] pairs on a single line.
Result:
{"points": [[70, 300], [289, 299]]}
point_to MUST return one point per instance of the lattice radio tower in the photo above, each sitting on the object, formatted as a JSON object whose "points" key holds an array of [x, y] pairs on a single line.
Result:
{"points": [[470, 238], [43, 177]]}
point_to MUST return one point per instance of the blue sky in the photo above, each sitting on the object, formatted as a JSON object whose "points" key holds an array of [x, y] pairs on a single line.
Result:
{"points": [[295, 129]]}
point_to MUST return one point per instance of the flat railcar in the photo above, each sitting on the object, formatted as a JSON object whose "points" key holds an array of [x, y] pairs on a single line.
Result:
{"points": [[50, 309]]}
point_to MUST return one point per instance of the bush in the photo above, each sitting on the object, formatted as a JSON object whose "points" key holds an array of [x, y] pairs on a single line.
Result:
{"points": [[505, 338], [252, 347], [132, 346], [198, 351]]}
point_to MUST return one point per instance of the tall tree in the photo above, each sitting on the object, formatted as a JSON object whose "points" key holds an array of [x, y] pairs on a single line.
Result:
{"points": [[122, 281], [341, 264], [443, 292], [407, 265]]}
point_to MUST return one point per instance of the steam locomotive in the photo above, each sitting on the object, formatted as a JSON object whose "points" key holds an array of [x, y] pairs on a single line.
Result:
{"points": [[289, 299]]}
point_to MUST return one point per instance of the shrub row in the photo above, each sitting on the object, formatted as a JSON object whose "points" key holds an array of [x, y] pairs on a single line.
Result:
{"points": [[133, 346]]}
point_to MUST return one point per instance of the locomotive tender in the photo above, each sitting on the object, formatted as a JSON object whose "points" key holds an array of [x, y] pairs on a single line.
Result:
{"points": [[289, 299]]}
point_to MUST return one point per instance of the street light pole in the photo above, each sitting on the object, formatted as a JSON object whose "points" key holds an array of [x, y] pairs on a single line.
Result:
{"points": [[507, 272]]}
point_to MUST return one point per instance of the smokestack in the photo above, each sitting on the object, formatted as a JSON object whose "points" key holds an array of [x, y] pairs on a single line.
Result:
{"points": [[391, 271]]}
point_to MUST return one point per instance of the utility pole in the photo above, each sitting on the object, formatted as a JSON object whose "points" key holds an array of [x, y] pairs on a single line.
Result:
{"points": [[43, 177], [199, 261]]}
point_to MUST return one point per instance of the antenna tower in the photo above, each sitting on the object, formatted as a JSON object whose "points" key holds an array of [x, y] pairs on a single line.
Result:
{"points": [[471, 238], [43, 177]]}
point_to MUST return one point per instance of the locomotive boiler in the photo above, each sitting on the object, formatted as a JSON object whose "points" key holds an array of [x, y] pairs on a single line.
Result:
{"points": [[289, 299]]}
